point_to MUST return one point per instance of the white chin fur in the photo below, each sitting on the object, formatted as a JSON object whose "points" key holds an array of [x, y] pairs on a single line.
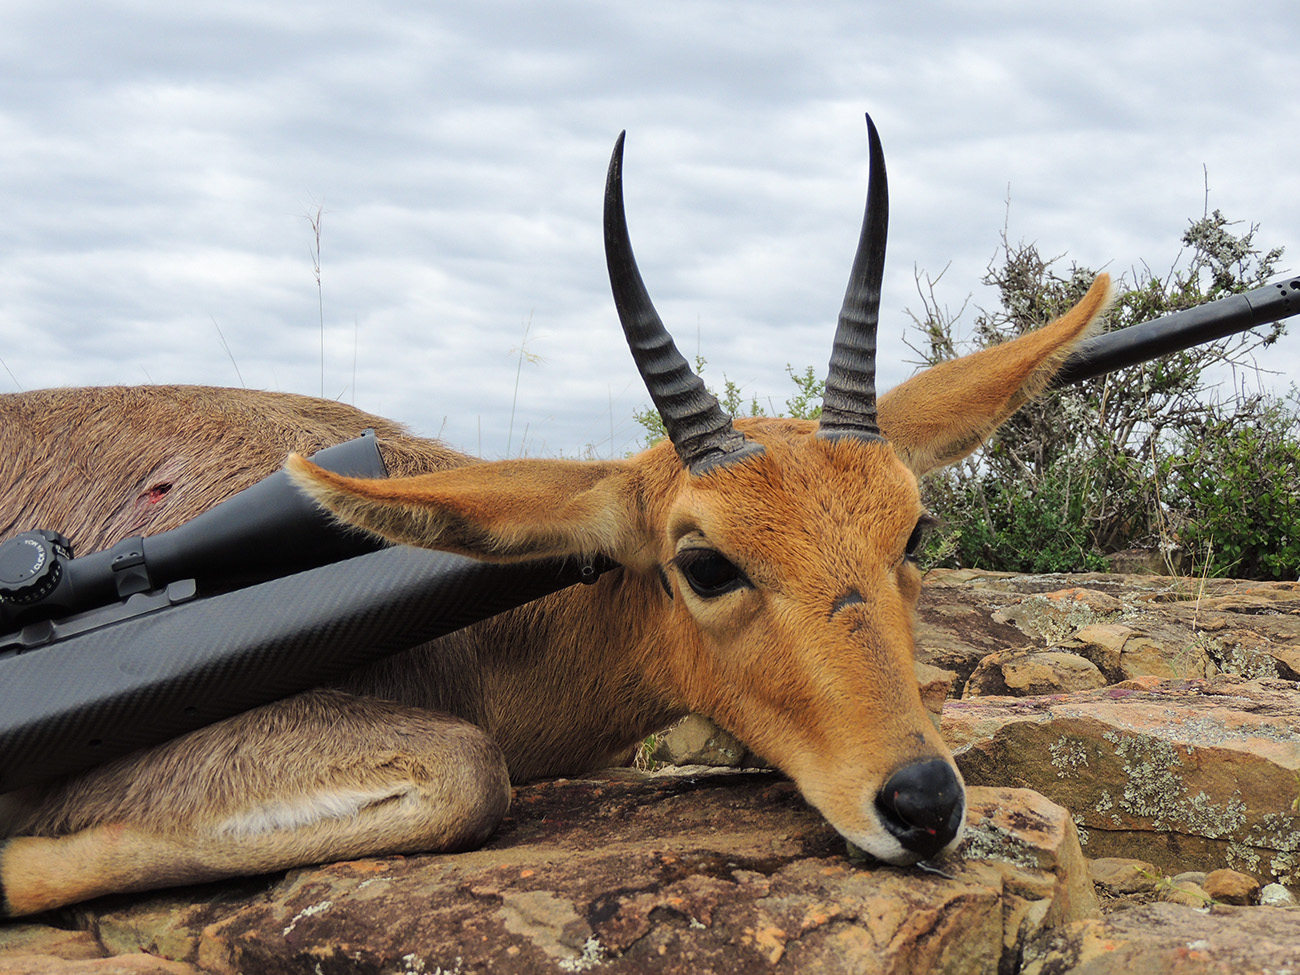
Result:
{"points": [[877, 842]]}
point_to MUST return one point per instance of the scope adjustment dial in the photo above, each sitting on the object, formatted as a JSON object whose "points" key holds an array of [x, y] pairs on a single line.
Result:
{"points": [[31, 565]]}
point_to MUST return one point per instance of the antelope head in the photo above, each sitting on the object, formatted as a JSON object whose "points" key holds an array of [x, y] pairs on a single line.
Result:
{"points": [[773, 561]]}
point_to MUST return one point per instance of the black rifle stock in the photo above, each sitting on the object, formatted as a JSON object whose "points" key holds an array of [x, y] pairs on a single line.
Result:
{"points": [[94, 697]]}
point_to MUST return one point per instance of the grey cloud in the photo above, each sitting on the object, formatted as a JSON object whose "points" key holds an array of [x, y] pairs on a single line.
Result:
{"points": [[160, 161]]}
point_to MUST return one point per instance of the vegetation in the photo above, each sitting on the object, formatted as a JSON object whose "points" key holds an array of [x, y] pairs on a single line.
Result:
{"points": [[1176, 456]]}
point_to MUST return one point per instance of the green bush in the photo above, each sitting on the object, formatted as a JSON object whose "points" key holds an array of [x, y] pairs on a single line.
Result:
{"points": [[1009, 525], [1094, 457], [1233, 484]]}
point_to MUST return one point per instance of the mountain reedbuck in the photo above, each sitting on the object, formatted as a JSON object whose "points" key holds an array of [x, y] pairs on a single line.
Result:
{"points": [[767, 579]]}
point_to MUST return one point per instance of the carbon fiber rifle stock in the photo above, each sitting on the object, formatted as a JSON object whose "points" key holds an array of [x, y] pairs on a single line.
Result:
{"points": [[94, 697]]}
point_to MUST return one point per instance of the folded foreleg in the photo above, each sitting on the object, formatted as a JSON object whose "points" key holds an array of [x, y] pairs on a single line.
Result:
{"points": [[320, 777]]}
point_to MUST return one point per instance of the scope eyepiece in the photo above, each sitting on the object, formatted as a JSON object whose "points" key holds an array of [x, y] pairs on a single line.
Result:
{"points": [[268, 530], [31, 565]]}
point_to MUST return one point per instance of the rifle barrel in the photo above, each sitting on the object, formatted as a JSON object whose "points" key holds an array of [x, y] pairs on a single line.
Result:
{"points": [[1181, 330]]}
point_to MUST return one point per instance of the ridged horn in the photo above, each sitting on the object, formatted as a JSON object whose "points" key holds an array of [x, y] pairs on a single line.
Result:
{"points": [[849, 403], [698, 427]]}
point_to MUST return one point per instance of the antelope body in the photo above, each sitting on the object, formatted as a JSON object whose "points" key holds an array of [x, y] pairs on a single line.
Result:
{"points": [[767, 581]]}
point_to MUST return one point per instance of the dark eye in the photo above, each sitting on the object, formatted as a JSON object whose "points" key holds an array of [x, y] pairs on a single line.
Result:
{"points": [[917, 537], [708, 573]]}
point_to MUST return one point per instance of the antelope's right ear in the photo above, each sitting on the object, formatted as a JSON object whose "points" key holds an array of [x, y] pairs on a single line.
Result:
{"points": [[942, 414], [506, 511]]}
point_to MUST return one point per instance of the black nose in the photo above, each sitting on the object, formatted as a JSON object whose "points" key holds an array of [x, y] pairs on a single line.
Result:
{"points": [[922, 806]]}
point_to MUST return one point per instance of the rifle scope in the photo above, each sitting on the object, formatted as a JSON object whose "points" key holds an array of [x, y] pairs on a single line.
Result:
{"points": [[267, 531]]}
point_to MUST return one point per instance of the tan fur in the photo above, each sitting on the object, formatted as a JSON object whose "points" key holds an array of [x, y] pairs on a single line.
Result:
{"points": [[939, 416], [811, 664]]}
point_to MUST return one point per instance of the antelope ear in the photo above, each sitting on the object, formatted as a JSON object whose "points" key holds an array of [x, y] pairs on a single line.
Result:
{"points": [[940, 415], [507, 511]]}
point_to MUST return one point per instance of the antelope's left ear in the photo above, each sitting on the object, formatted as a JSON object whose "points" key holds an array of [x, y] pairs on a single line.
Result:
{"points": [[507, 511], [942, 414]]}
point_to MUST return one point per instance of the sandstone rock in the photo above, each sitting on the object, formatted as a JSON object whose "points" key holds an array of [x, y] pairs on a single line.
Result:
{"points": [[954, 627], [718, 872], [1167, 627], [1053, 616], [134, 964], [1171, 659], [1138, 561], [17, 939], [1124, 875], [1232, 887], [1184, 774], [1164, 939], [936, 686], [1103, 644], [1186, 892], [1275, 895], [697, 740], [1019, 672], [37, 949], [1247, 653]]}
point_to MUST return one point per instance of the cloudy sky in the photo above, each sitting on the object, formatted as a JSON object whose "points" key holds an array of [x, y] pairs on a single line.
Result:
{"points": [[159, 163]]}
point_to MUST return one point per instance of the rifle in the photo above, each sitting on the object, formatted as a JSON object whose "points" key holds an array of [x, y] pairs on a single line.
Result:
{"points": [[153, 659], [258, 598], [1173, 333]]}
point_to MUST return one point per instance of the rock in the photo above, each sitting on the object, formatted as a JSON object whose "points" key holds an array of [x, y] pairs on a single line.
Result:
{"points": [[1019, 672], [1128, 626], [1124, 875], [1138, 561], [1287, 658], [1275, 895], [1185, 892], [1245, 652], [37, 949], [1184, 774], [1053, 616], [697, 740], [1232, 887], [19, 939], [954, 627], [936, 686], [717, 872], [1169, 659], [1103, 644], [1164, 939]]}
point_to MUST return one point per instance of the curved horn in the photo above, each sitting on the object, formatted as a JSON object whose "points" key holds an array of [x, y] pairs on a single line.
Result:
{"points": [[697, 426], [849, 404]]}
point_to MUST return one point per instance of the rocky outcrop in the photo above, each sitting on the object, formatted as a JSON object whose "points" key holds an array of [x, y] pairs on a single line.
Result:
{"points": [[1165, 714], [700, 872], [1184, 774], [1126, 626], [1158, 714], [1170, 939]]}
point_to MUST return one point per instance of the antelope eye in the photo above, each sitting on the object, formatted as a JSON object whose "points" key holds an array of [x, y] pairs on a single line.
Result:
{"points": [[708, 573], [917, 537]]}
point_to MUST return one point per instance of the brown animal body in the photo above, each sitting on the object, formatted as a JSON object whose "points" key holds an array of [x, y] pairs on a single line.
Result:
{"points": [[766, 580]]}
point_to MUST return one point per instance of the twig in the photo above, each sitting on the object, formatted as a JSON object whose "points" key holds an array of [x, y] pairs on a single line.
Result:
{"points": [[226, 346]]}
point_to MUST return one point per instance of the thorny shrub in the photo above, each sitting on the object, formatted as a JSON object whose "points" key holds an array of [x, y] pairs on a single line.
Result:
{"points": [[1155, 456]]}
